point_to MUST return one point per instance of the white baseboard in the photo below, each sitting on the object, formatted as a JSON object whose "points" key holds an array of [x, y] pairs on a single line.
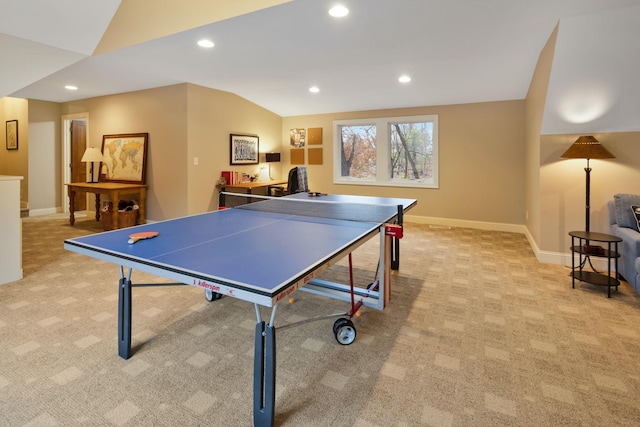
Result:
{"points": [[47, 211], [547, 256], [563, 258]]}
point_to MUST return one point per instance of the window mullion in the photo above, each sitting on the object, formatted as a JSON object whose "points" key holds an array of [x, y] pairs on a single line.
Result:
{"points": [[382, 151]]}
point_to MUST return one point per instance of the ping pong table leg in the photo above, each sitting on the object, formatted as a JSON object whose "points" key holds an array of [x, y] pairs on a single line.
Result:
{"points": [[395, 254], [395, 250], [264, 375], [124, 318]]}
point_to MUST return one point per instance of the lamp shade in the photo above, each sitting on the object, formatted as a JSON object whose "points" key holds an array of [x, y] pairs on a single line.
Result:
{"points": [[92, 154], [272, 157], [587, 147]]}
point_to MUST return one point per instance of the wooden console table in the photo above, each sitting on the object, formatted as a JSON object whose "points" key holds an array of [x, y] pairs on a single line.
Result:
{"points": [[114, 190]]}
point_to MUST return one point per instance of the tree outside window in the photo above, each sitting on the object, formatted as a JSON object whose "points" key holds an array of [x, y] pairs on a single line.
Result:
{"points": [[411, 151], [358, 151], [399, 151]]}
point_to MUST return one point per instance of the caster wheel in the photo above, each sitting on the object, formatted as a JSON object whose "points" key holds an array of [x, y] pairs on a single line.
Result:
{"points": [[211, 296], [344, 331], [338, 323]]}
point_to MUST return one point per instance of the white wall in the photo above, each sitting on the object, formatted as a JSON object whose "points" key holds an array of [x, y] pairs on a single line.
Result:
{"points": [[45, 181], [42, 166], [593, 85]]}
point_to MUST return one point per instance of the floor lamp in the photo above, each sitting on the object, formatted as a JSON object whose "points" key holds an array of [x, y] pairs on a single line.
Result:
{"points": [[587, 147]]}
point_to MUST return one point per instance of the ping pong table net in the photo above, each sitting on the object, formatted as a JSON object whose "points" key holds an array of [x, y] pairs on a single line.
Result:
{"points": [[318, 208]]}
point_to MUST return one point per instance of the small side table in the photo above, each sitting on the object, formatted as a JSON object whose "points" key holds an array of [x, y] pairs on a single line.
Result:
{"points": [[586, 250]]}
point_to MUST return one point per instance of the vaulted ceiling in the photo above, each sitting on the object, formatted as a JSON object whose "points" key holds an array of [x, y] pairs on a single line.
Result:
{"points": [[272, 51]]}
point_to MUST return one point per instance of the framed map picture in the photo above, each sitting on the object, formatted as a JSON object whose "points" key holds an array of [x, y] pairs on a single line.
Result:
{"points": [[125, 157]]}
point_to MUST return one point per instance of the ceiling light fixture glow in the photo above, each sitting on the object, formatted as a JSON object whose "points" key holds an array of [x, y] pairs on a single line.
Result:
{"points": [[314, 89], [404, 79], [205, 43], [71, 87], [338, 11]]}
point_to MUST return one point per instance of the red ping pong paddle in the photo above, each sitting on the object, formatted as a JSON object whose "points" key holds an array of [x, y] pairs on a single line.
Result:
{"points": [[142, 235]]}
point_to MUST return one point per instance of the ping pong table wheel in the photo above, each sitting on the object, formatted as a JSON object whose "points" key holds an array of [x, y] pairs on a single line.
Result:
{"points": [[345, 331], [211, 296]]}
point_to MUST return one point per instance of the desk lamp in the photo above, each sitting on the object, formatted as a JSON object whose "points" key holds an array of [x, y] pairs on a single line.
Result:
{"points": [[270, 158], [92, 155]]}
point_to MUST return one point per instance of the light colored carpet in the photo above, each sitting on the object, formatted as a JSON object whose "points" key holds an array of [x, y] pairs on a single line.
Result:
{"points": [[478, 333]]}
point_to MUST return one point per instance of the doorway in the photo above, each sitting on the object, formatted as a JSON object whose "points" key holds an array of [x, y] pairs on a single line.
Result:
{"points": [[75, 141]]}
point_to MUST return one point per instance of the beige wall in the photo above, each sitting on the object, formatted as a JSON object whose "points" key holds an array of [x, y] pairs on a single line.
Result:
{"points": [[482, 161], [45, 161], [213, 116], [184, 122], [481, 150], [534, 111], [160, 112], [16, 162]]}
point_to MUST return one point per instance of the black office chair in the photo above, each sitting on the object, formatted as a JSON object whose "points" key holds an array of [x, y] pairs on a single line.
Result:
{"points": [[297, 182]]}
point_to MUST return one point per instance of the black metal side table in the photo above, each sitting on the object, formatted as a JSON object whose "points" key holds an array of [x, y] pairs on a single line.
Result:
{"points": [[586, 249]]}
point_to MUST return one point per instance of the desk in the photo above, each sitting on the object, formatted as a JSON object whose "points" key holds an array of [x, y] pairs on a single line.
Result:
{"points": [[114, 190], [248, 187]]}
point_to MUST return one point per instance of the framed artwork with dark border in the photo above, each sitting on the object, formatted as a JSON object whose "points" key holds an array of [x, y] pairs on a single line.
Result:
{"points": [[12, 134], [244, 149], [125, 157]]}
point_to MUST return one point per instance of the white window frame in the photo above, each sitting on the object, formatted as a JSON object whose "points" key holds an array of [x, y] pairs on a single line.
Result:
{"points": [[383, 160]]}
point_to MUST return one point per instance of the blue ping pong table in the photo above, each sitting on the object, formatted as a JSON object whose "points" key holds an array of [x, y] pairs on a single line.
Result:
{"points": [[287, 252]]}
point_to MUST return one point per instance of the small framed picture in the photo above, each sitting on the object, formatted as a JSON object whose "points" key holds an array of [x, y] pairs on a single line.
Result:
{"points": [[12, 134], [244, 149]]}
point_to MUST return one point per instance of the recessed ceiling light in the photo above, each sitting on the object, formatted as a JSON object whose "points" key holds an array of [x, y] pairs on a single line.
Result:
{"points": [[404, 79], [314, 89], [338, 11], [71, 87], [205, 43]]}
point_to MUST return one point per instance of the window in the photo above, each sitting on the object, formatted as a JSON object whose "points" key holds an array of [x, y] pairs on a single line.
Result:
{"points": [[395, 151]]}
